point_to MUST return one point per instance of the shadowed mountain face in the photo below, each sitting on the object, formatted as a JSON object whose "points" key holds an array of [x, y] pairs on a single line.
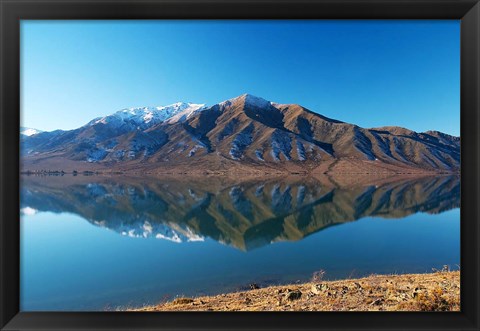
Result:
{"points": [[245, 215], [247, 134]]}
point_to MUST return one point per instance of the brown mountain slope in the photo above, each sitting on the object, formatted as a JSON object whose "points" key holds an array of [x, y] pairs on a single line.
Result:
{"points": [[244, 134]]}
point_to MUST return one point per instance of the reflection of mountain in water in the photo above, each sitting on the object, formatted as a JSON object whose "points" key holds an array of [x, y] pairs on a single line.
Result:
{"points": [[245, 215]]}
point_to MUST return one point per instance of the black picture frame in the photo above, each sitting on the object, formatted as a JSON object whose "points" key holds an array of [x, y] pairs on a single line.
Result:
{"points": [[12, 11]]}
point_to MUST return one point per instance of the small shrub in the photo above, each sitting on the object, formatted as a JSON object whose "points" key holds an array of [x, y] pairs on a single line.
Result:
{"points": [[182, 301], [433, 300], [318, 275]]}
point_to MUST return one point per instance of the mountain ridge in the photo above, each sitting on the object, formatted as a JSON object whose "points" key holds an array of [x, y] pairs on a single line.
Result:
{"points": [[246, 134]]}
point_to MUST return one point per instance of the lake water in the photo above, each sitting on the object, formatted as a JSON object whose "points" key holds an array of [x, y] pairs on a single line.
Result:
{"points": [[103, 243]]}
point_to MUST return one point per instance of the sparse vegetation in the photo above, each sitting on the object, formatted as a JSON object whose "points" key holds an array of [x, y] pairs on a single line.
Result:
{"points": [[182, 301], [438, 291]]}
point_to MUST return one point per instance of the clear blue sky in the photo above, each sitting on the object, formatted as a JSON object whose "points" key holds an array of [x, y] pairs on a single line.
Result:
{"points": [[371, 73]]}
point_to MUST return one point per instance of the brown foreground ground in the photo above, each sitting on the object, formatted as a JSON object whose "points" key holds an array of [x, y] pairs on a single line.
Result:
{"points": [[439, 291]]}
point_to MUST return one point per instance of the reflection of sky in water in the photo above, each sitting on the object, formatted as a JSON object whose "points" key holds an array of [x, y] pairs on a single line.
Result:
{"points": [[69, 263]]}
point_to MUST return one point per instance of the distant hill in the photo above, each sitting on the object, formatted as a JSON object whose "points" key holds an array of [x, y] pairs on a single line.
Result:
{"points": [[243, 134]]}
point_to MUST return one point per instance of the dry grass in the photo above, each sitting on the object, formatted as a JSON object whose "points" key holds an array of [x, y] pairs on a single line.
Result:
{"points": [[439, 291]]}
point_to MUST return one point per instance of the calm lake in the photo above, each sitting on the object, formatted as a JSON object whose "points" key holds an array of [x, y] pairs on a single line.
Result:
{"points": [[104, 243]]}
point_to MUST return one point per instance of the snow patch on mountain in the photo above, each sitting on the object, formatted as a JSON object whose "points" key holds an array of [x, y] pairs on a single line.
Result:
{"points": [[281, 144], [29, 131], [301, 151], [241, 141], [96, 154], [252, 100], [149, 116], [191, 110], [249, 100], [259, 154], [194, 150]]}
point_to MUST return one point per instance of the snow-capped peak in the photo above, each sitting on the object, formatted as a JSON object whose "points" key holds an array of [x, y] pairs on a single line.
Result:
{"points": [[255, 101], [142, 116], [192, 109], [29, 131], [250, 100]]}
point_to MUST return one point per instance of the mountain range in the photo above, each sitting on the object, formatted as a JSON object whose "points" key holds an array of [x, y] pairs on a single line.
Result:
{"points": [[244, 134]]}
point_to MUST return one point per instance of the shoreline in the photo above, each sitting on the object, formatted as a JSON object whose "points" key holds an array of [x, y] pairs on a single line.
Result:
{"points": [[103, 172], [436, 291]]}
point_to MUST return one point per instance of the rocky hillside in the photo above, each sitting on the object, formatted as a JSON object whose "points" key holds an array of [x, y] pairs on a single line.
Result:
{"points": [[439, 291], [243, 134]]}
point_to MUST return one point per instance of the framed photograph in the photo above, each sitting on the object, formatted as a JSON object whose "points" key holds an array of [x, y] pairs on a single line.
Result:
{"points": [[239, 165]]}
